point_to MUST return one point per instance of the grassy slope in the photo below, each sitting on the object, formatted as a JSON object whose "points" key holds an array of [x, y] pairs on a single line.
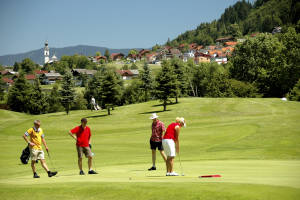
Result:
{"points": [[253, 143]]}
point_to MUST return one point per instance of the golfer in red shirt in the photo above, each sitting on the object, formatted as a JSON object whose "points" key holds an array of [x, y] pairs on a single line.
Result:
{"points": [[171, 143], [82, 135]]}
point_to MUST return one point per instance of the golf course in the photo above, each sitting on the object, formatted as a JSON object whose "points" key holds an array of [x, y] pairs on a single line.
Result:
{"points": [[254, 144]]}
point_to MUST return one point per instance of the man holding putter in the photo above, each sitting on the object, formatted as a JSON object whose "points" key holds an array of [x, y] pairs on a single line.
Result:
{"points": [[37, 137], [82, 135]]}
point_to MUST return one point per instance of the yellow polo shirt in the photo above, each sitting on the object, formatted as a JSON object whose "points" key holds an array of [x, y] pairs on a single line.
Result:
{"points": [[36, 136]]}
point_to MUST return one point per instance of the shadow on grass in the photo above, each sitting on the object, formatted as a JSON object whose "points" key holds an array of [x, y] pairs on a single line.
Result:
{"points": [[97, 116], [168, 104], [159, 111]]}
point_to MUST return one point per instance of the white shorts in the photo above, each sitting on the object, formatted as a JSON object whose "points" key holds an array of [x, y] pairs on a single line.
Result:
{"points": [[37, 154], [169, 147]]}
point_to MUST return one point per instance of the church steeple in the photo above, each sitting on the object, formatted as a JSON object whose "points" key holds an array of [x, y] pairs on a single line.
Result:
{"points": [[46, 52]]}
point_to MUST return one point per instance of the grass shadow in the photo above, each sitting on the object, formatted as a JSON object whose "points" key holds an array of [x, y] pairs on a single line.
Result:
{"points": [[168, 104], [159, 111], [97, 116]]}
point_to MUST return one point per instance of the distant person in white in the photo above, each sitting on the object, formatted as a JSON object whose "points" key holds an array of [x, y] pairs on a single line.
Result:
{"points": [[94, 104]]}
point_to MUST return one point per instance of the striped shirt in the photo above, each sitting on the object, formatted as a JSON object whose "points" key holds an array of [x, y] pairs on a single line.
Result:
{"points": [[157, 131]]}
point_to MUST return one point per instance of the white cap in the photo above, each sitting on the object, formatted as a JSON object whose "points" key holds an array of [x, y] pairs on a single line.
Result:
{"points": [[181, 120], [153, 116]]}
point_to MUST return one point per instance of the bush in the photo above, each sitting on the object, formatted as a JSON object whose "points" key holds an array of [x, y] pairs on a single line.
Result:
{"points": [[294, 95], [243, 89], [80, 102]]}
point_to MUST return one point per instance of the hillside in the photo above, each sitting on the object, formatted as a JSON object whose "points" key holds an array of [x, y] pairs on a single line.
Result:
{"points": [[244, 18], [37, 55], [252, 143]]}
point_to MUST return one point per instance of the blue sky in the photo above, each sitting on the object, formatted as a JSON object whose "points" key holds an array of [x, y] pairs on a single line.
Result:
{"points": [[26, 24]]}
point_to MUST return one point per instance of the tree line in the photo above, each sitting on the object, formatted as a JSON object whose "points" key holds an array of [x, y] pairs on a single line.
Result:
{"points": [[265, 66], [244, 18]]}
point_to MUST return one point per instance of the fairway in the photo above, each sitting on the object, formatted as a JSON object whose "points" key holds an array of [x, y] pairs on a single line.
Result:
{"points": [[254, 144]]}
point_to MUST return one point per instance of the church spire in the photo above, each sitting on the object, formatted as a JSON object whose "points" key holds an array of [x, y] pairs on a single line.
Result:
{"points": [[46, 53]]}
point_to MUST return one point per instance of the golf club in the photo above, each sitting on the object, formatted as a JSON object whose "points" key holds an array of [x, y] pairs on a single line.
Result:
{"points": [[51, 160], [93, 160], [182, 174]]}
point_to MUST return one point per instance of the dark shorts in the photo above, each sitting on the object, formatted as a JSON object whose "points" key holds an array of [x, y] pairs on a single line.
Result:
{"points": [[84, 150], [158, 145]]}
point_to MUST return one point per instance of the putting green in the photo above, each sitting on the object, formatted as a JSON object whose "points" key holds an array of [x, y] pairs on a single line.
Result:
{"points": [[252, 143]]}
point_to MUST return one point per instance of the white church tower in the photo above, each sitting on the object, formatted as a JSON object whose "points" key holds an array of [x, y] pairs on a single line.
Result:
{"points": [[46, 52]]}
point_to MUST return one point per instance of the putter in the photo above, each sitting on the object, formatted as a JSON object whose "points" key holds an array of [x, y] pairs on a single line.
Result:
{"points": [[182, 174], [93, 160], [51, 160]]}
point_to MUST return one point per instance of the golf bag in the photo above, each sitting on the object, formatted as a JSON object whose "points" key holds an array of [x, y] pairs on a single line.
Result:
{"points": [[25, 155]]}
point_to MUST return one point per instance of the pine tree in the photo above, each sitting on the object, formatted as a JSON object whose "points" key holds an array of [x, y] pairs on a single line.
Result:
{"points": [[166, 84], [147, 82], [107, 54], [19, 94], [67, 91], [37, 102], [54, 100], [181, 76], [110, 90], [2, 88]]}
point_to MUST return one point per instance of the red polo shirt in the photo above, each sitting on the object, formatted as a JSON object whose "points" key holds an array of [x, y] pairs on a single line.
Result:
{"points": [[83, 135], [171, 132]]}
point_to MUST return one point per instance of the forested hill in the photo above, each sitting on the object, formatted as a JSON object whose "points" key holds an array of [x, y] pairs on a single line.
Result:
{"points": [[244, 18]]}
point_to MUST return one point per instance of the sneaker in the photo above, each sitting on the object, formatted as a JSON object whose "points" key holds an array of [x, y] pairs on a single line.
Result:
{"points": [[152, 168], [92, 172], [81, 173], [50, 174], [36, 176], [168, 174], [173, 174]]}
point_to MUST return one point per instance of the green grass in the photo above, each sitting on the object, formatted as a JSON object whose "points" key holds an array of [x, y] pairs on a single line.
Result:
{"points": [[253, 143]]}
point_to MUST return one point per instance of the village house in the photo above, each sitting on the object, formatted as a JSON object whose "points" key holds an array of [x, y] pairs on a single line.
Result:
{"points": [[77, 72], [231, 43], [51, 77], [9, 73], [151, 58], [224, 39], [143, 53], [128, 74], [8, 81], [117, 56], [100, 59], [30, 78], [201, 58], [189, 55], [40, 72], [132, 58]]}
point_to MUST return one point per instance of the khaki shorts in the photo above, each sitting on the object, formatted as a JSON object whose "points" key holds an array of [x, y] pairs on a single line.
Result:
{"points": [[36, 154], [84, 150]]}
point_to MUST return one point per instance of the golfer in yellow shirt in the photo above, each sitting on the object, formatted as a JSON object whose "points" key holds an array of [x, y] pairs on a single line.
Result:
{"points": [[36, 151]]}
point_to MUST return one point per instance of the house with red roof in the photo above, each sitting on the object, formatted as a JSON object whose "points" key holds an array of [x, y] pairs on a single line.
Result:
{"points": [[8, 81], [117, 56], [151, 57], [128, 74], [30, 78], [201, 58], [230, 43]]}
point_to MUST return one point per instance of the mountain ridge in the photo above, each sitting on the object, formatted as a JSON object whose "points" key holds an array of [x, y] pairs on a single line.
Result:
{"points": [[37, 55]]}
